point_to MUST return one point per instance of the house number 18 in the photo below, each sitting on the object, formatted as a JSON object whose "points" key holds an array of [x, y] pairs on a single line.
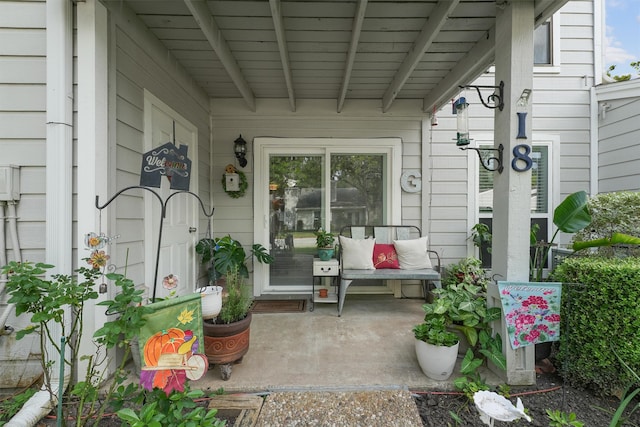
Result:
{"points": [[521, 154]]}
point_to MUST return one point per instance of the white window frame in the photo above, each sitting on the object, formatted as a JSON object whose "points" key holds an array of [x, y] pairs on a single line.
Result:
{"points": [[266, 146], [552, 141], [555, 66]]}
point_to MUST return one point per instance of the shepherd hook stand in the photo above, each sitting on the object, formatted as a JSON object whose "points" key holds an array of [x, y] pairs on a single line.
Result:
{"points": [[163, 206]]}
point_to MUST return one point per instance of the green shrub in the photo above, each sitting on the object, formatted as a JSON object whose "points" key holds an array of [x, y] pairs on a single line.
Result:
{"points": [[612, 213], [603, 315]]}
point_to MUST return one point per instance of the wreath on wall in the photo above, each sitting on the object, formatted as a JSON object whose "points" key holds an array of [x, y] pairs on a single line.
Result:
{"points": [[243, 185]]}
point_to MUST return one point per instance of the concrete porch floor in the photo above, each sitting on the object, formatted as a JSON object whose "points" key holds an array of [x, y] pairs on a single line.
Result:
{"points": [[371, 347]]}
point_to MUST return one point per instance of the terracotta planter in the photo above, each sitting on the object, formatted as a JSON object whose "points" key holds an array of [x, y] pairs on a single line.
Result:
{"points": [[323, 293], [225, 344]]}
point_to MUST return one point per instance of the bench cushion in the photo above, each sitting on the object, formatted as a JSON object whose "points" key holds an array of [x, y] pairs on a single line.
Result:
{"points": [[357, 254], [385, 256], [412, 254]]}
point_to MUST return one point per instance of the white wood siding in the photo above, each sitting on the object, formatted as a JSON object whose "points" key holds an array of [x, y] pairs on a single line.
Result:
{"points": [[22, 143], [619, 137], [141, 62], [23, 116]]}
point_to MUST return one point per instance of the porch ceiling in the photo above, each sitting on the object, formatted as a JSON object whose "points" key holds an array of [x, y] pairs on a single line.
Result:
{"points": [[330, 49]]}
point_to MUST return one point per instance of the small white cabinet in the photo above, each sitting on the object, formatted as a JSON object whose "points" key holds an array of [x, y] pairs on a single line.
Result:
{"points": [[327, 271]]}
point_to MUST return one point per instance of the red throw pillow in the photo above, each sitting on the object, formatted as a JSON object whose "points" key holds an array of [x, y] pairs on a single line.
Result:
{"points": [[385, 256]]}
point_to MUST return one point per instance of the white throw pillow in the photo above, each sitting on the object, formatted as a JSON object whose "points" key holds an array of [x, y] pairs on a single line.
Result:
{"points": [[357, 254], [412, 254]]}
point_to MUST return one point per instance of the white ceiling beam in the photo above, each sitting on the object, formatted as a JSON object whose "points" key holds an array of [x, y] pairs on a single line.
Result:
{"points": [[353, 49], [432, 27], [471, 66], [204, 19], [276, 14]]}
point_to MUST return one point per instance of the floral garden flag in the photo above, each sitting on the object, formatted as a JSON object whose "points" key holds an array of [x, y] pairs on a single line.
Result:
{"points": [[171, 344], [531, 311]]}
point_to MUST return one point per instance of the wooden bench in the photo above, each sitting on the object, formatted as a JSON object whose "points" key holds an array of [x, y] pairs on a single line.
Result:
{"points": [[385, 234]]}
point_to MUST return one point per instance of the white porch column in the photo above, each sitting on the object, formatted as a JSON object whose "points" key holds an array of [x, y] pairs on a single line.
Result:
{"points": [[512, 189], [93, 154]]}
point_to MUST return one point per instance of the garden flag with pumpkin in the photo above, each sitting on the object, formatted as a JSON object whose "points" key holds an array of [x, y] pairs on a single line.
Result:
{"points": [[171, 344], [531, 311]]}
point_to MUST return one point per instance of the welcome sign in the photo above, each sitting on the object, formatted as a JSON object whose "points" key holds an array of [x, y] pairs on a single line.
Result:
{"points": [[166, 160]]}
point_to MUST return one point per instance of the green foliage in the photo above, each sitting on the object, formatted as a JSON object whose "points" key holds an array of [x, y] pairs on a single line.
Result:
{"points": [[623, 77], [324, 239], [604, 314], [434, 332], [570, 216], [481, 237], [10, 406], [612, 214], [237, 303], [46, 300], [178, 409], [224, 254], [620, 416], [558, 418], [467, 270], [463, 305]]}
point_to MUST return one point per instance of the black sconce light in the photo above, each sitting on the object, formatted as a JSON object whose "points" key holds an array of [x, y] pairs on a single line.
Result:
{"points": [[460, 109], [240, 148]]}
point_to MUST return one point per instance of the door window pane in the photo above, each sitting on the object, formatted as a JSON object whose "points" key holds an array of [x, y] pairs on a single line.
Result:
{"points": [[296, 206], [357, 183]]}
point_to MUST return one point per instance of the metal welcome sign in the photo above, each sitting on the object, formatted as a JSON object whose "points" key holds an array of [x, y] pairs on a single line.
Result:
{"points": [[166, 160]]}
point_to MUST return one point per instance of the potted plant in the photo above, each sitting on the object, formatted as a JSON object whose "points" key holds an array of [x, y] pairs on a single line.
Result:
{"points": [[325, 244], [436, 347], [226, 338], [223, 254], [466, 270]]}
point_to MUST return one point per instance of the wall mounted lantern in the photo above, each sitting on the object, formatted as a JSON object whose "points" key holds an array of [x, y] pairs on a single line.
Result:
{"points": [[240, 148]]}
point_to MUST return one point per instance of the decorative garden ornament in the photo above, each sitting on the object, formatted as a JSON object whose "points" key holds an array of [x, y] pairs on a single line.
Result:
{"points": [[493, 406]]}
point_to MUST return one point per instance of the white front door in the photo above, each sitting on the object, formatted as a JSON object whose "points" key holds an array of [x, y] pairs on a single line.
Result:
{"points": [[177, 257]]}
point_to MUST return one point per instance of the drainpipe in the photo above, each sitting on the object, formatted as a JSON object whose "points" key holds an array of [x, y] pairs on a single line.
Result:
{"points": [[3, 277], [15, 244], [59, 168]]}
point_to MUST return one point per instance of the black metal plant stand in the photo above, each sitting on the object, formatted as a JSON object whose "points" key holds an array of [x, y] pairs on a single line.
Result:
{"points": [[163, 206]]}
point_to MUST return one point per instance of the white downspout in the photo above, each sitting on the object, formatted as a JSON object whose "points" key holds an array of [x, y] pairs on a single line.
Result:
{"points": [[59, 169], [3, 277], [12, 217]]}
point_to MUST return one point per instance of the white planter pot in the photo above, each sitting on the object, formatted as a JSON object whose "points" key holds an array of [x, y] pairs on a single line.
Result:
{"points": [[211, 301], [437, 362]]}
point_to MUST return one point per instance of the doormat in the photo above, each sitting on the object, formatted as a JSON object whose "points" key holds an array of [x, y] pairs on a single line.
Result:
{"points": [[279, 306]]}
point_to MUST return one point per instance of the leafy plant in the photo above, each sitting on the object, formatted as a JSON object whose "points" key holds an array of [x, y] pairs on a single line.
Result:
{"points": [[178, 409], [481, 237], [9, 406], [558, 418], [615, 222], [46, 299], [324, 239], [237, 303], [619, 417], [466, 270], [603, 313], [570, 216], [463, 306], [224, 254], [434, 332], [490, 348]]}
